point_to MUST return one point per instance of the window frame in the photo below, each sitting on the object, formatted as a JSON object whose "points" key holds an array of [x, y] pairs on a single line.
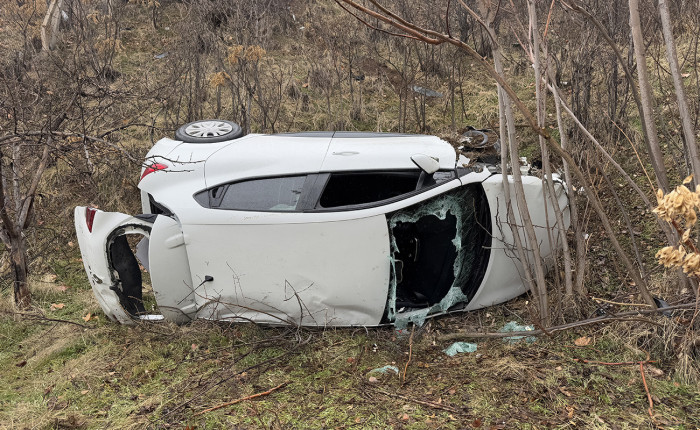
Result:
{"points": [[204, 199], [312, 189]]}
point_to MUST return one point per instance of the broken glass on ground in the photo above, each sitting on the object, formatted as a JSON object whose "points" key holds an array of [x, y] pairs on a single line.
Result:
{"points": [[512, 326], [385, 369], [459, 347]]}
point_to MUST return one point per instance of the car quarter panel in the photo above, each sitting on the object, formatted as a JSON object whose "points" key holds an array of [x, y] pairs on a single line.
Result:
{"points": [[318, 274], [170, 271], [266, 156]]}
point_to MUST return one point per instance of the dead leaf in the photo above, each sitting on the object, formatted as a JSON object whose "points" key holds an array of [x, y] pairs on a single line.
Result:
{"points": [[570, 409], [373, 380], [84, 392], [476, 423], [685, 75], [654, 371], [55, 306], [63, 288], [305, 85], [405, 417], [21, 363], [582, 341], [564, 392], [194, 347], [87, 317], [70, 244]]}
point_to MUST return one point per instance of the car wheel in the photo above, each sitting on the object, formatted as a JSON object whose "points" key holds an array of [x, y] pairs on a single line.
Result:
{"points": [[208, 131]]}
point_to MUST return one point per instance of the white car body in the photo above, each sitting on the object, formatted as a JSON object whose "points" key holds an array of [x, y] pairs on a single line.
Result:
{"points": [[320, 255]]}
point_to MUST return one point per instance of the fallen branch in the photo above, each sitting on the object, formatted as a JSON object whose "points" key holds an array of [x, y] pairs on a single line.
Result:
{"points": [[646, 388], [41, 317], [641, 370], [537, 332], [420, 402], [233, 402]]}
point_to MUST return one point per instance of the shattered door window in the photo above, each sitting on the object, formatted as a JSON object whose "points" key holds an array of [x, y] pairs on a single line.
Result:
{"points": [[357, 188]]}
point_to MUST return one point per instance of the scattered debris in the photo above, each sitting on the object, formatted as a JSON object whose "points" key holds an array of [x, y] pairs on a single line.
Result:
{"points": [[426, 92], [459, 347], [474, 139], [512, 326], [161, 56], [661, 303], [384, 370]]}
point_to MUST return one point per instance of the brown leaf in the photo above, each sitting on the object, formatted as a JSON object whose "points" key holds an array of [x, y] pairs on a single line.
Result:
{"points": [[21, 363], [87, 317], [84, 392], [373, 380], [582, 341], [476, 423], [63, 288], [564, 392], [55, 306], [654, 371]]}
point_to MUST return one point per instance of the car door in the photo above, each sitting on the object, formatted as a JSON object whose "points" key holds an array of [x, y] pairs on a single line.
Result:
{"points": [[256, 253]]}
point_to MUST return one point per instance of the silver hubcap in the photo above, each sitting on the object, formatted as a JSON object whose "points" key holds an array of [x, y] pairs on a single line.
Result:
{"points": [[208, 129]]}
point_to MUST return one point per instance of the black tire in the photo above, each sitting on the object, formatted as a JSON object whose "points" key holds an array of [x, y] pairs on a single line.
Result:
{"points": [[209, 131]]}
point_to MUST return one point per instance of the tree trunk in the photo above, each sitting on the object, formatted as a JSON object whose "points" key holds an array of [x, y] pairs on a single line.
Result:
{"points": [[18, 260], [657, 159], [683, 111]]}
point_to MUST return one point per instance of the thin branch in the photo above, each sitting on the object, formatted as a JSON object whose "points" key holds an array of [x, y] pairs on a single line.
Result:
{"points": [[420, 402], [242, 399], [563, 327]]}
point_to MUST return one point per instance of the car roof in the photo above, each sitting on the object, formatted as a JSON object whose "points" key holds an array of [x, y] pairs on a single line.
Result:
{"points": [[259, 155]]}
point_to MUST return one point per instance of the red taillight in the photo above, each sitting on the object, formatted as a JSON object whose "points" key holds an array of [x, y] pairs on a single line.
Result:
{"points": [[90, 217], [153, 168]]}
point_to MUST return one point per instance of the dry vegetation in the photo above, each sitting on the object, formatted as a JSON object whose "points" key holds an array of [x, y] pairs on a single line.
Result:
{"points": [[121, 77]]}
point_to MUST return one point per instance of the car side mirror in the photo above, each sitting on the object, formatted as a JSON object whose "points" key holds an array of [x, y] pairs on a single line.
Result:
{"points": [[426, 163]]}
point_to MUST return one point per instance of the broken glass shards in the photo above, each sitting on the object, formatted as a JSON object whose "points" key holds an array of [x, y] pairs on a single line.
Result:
{"points": [[439, 253]]}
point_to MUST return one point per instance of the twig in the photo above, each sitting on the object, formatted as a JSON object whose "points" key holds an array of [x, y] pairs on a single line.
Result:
{"points": [[605, 363], [41, 317], [597, 299], [410, 352], [646, 388], [602, 319], [233, 402], [420, 402]]}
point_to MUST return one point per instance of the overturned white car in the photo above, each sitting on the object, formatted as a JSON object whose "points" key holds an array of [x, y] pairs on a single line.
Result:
{"points": [[317, 229]]}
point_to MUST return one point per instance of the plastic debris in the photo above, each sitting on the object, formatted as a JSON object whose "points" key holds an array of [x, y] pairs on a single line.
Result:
{"points": [[386, 369], [661, 303], [512, 326], [426, 92], [459, 347]]}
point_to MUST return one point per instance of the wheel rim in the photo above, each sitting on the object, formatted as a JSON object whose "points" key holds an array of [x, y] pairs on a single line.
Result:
{"points": [[208, 129]]}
